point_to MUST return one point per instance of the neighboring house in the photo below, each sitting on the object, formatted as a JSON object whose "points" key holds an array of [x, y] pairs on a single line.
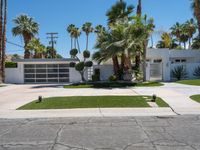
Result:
{"points": [[161, 62]]}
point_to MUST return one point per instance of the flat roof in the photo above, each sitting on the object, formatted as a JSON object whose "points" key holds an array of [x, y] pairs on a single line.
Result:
{"points": [[46, 60]]}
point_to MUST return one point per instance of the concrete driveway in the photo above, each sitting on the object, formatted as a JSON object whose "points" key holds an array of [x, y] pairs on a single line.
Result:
{"points": [[176, 95]]}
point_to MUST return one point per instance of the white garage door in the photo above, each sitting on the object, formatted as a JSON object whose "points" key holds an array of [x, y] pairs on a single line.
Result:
{"points": [[46, 73]]}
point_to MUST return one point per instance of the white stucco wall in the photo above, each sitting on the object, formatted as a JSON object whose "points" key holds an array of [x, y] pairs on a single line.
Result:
{"points": [[15, 75], [105, 71]]}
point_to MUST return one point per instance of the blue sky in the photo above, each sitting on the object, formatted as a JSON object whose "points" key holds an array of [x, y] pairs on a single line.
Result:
{"points": [[55, 15]]}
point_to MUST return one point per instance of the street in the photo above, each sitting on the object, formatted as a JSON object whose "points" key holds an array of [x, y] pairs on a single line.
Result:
{"points": [[120, 133]]}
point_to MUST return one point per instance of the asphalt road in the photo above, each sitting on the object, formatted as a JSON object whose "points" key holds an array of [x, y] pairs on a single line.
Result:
{"points": [[132, 133]]}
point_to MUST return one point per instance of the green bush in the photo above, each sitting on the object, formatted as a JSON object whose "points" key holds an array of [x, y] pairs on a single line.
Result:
{"points": [[80, 66], [95, 78], [197, 72], [88, 64], [73, 52], [72, 64], [10, 65], [179, 73], [112, 78], [86, 54]]}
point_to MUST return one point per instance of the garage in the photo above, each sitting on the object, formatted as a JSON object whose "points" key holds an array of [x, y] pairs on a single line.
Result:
{"points": [[46, 73]]}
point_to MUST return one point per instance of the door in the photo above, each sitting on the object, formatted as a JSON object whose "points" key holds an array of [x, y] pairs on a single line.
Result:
{"points": [[156, 72], [46, 73]]}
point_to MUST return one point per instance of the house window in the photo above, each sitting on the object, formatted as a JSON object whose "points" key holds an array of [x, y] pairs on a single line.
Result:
{"points": [[180, 60], [157, 60]]}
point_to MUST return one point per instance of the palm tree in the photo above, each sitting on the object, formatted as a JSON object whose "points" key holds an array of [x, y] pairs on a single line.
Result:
{"points": [[196, 11], [176, 31], [69, 30], [87, 28], [76, 34], [166, 41], [3, 24], [99, 29], [190, 28], [119, 12], [27, 28], [37, 48]]}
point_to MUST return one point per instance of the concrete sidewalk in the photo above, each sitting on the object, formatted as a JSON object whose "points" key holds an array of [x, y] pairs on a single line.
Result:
{"points": [[96, 112]]}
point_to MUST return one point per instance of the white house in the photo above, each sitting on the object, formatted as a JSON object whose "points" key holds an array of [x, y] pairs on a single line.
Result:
{"points": [[160, 63]]}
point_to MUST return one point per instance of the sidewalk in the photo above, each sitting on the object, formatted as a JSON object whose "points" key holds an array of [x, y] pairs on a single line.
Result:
{"points": [[97, 112]]}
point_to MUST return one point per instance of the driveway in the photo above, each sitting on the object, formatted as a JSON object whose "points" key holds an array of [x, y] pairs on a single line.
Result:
{"points": [[127, 133], [176, 95]]}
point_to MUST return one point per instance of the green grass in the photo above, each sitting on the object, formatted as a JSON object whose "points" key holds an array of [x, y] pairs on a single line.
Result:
{"points": [[91, 102], [196, 98], [190, 82], [113, 85]]}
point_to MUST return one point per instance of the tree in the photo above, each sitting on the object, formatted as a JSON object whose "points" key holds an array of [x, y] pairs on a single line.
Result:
{"points": [[166, 41], [50, 53], [176, 31], [196, 43], [81, 66], [3, 24], [70, 28], [39, 50], [87, 28], [119, 12], [196, 11], [190, 29], [76, 34], [26, 27]]}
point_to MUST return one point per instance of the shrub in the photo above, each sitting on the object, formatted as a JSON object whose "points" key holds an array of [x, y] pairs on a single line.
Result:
{"points": [[10, 65], [179, 73], [86, 54], [95, 78], [197, 72], [73, 52], [112, 78], [72, 64], [80, 66], [88, 64]]}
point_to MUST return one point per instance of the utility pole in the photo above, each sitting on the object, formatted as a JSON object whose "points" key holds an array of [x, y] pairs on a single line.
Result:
{"points": [[52, 36]]}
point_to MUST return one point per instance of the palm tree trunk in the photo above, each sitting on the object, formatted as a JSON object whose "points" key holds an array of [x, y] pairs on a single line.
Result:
{"points": [[145, 60], [1, 35], [71, 43], [139, 8], [4, 40], [87, 42], [116, 66], [137, 60], [184, 45], [78, 45], [189, 43]]}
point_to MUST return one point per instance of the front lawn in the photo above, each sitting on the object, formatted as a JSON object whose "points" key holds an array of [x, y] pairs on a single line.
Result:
{"points": [[195, 98], [113, 85], [92, 102], [190, 82]]}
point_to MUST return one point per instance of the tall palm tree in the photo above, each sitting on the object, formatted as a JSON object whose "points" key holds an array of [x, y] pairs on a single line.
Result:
{"points": [[176, 31], [87, 28], [27, 28], [138, 55], [4, 40], [196, 11], [190, 27], [69, 30], [3, 24], [119, 12], [76, 34]]}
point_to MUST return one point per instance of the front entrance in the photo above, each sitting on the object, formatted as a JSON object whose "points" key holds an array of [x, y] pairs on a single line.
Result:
{"points": [[46, 73], [156, 72]]}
